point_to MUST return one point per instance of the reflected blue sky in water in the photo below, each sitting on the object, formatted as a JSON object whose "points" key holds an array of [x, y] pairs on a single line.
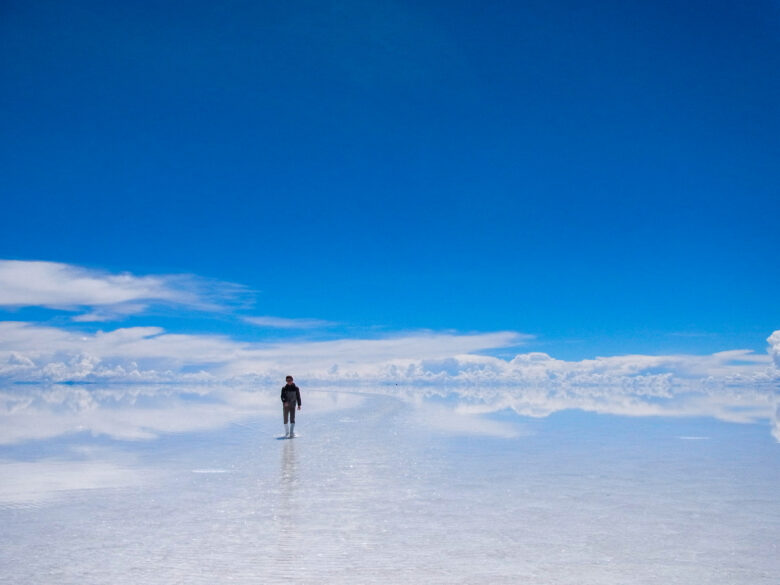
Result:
{"points": [[165, 484]]}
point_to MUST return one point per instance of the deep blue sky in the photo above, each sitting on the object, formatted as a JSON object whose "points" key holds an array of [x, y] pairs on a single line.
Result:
{"points": [[602, 176]]}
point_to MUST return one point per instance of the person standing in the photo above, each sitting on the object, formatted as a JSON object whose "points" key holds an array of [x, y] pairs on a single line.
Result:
{"points": [[291, 395]]}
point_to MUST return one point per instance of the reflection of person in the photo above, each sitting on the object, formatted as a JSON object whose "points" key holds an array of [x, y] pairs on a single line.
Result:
{"points": [[291, 395]]}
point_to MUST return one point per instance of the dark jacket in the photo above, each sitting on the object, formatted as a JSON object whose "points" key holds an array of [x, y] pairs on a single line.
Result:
{"points": [[291, 393]]}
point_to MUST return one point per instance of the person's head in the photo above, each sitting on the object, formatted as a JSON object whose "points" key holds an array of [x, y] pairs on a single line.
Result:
{"points": [[289, 379]]}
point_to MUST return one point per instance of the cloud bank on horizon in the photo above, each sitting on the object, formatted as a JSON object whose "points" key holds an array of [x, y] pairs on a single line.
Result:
{"points": [[41, 352]]}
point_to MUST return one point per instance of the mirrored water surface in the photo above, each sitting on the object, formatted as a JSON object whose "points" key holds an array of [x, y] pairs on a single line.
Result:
{"points": [[167, 484]]}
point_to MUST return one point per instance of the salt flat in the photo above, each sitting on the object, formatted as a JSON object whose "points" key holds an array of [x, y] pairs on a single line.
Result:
{"points": [[194, 487]]}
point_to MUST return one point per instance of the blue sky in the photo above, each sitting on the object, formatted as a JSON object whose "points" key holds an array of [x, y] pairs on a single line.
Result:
{"points": [[603, 178]]}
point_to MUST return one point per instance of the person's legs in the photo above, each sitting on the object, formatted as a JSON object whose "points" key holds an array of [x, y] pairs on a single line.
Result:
{"points": [[289, 413], [289, 407]]}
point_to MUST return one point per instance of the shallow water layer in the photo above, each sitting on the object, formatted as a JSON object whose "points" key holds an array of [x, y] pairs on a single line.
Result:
{"points": [[165, 486]]}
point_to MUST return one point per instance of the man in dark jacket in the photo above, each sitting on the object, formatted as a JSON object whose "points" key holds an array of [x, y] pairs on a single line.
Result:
{"points": [[291, 395]]}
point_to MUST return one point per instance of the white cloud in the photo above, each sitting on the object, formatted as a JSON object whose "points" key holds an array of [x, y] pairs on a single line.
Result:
{"points": [[283, 323], [68, 287], [110, 313], [774, 348], [736, 386], [33, 352], [532, 383], [30, 351]]}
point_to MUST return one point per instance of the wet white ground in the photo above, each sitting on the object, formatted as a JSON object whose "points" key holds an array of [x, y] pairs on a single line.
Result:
{"points": [[382, 490]]}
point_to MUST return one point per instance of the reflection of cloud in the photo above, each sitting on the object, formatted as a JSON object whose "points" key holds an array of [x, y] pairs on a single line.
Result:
{"points": [[460, 422], [141, 412], [737, 386], [69, 287], [129, 414], [744, 404], [145, 412], [26, 483]]}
